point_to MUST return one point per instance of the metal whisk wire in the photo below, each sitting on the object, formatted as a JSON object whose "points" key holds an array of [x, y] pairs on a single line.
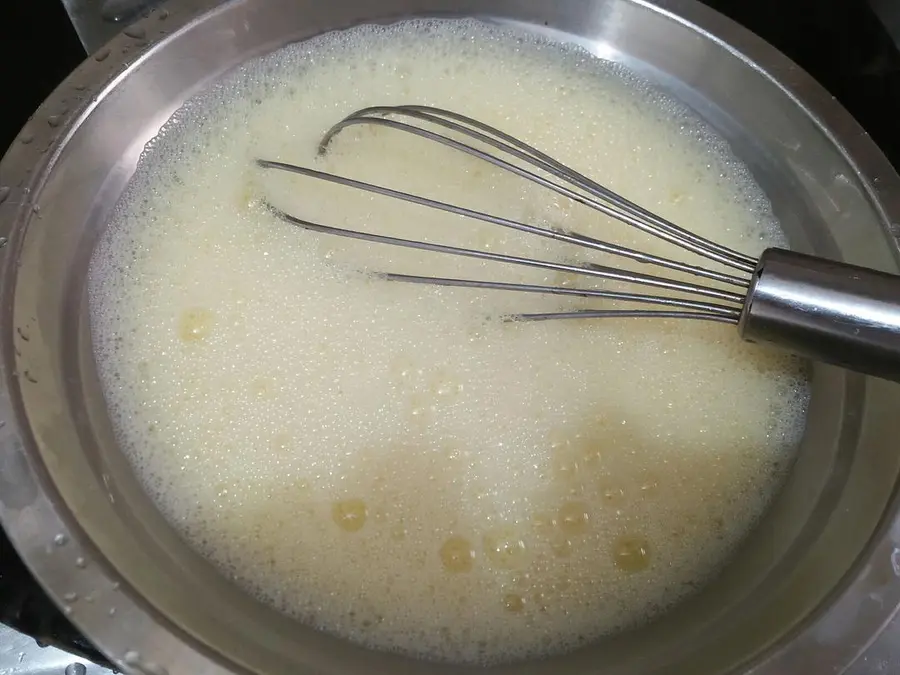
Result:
{"points": [[577, 187]]}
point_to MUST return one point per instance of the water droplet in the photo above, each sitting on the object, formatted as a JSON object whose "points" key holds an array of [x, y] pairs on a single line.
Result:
{"points": [[36, 208], [895, 561], [3, 242], [80, 87], [53, 120], [134, 661], [76, 669], [70, 597], [67, 610], [112, 611], [136, 32], [60, 539], [163, 14], [102, 55], [25, 139], [4, 193], [80, 563]]}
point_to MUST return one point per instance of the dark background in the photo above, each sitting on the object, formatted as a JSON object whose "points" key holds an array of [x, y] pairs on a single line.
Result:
{"points": [[839, 42]]}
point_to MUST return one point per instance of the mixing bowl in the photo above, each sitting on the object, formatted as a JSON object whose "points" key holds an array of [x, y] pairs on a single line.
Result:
{"points": [[807, 591]]}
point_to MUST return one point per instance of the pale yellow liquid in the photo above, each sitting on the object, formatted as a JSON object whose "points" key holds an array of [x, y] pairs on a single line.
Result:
{"points": [[386, 461]]}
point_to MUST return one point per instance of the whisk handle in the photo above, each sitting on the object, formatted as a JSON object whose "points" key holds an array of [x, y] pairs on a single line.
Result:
{"points": [[827, 311]]}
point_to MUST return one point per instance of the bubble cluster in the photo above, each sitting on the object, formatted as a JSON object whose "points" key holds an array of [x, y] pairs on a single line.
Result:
{"points": [[385, 461]]}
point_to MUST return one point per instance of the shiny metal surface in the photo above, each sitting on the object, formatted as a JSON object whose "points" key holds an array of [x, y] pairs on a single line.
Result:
{"points": [[20, 655], [840, 314], [807, 592], [98, 21]]}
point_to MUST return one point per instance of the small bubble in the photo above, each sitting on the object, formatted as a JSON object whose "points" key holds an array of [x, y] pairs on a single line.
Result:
{"points": [[76, 669], [70, 597], [631, 553], [506, 548], [195, 324], [513, 603], [60, 540], [4, 193], [457, 555], [350, 514], [573, 517], [80, 563], [3, 242], [561, 547], [614, 495], [281, 442], [263, 387]]}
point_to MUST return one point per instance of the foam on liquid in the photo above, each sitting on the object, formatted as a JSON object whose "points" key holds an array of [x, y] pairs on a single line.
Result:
{"points": [[386, 461]]}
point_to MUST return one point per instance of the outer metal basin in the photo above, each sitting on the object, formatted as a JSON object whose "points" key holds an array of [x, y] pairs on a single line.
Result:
{"points": [[811, 587]]}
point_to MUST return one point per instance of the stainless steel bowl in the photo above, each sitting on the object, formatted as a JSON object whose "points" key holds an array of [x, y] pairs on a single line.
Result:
{"points": [[812, 585]]}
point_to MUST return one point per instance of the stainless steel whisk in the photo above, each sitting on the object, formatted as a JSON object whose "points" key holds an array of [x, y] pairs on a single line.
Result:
{"points": [[827, 311]]}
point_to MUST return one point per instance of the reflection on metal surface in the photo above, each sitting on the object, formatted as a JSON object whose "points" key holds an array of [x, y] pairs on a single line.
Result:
{"points": [[98, 21], [20, 655], [883, 656]]}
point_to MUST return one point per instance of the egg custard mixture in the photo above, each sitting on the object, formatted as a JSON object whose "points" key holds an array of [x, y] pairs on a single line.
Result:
{"points": [[393, 463]]}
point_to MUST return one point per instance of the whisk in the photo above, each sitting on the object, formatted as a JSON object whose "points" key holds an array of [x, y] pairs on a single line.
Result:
{"points": [[823, 310]]}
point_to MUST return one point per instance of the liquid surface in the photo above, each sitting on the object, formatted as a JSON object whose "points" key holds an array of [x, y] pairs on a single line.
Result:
{"points": [[386, 461]]}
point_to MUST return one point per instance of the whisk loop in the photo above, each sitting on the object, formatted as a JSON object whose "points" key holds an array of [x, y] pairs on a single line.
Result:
{"points": [[567, 183], [828, 311]]}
